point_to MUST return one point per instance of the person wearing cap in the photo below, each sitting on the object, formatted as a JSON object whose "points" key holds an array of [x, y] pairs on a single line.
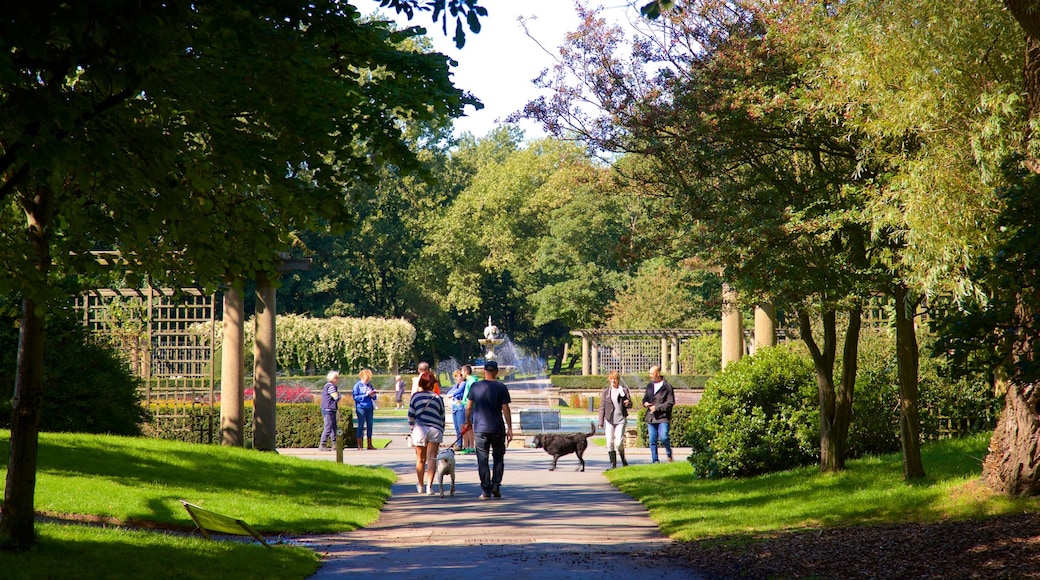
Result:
{"points": [[488, 415]]}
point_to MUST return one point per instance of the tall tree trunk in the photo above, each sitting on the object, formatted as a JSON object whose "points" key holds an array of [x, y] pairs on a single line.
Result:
{"points": [[835, 399], [1012, 466], [17, 521], [907, 357]]}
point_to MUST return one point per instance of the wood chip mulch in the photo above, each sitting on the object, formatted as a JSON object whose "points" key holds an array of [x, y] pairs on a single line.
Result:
{"points": [[998, 547]]}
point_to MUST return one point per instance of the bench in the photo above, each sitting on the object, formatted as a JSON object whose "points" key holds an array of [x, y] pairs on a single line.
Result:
{"points": [[208, 521]]}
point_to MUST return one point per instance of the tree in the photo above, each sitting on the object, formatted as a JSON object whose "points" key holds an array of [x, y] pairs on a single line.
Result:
{"points": [[757, 184], [537, 240], [192, 140], [666, 294], [952, 100], [956, 206]]}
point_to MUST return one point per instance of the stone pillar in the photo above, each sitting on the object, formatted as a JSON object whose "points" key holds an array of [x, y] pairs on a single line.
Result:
{"points": [[732, 327], [594, 369], [265, 385], [586, 361], [675, 355], [232, 373], [765, 325], [664, 354]]}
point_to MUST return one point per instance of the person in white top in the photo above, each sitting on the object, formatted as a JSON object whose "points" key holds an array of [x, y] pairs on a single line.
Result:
{"points": [[615, 402], [658, 401]]}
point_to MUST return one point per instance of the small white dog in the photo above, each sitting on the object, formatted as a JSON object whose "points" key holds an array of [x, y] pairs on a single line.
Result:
{"points": [[445, 466]]}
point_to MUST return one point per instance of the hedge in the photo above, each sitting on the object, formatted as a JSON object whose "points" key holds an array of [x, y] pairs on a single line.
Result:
{"points": [[297, 425], [633, 381]]}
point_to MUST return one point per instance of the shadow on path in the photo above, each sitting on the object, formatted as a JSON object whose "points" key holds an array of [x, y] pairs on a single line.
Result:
{"points": [[548, 525]]}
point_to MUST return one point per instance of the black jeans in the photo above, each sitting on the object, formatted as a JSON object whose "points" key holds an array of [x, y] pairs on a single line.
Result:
{"points": [[490, 475]]}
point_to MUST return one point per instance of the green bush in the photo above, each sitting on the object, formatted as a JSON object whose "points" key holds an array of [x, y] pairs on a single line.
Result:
{"points": [[947, 408], [87, 388], [297, 424], [874, 429], [679, 433], [635, 382], [754, 417], [702, 355]]}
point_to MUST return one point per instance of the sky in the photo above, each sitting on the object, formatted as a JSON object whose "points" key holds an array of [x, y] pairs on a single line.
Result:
{"points": [[498, 64]]}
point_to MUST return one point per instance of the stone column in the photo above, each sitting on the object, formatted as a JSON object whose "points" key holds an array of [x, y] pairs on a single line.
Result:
{"points": [[664, 354], [586, 361], [265, 385], [675, 355], [765, 325], [732, 327], [232, 375], [594, 369]]}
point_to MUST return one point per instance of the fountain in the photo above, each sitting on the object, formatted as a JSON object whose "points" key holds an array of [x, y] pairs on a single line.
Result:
{"points": [[493, 338], [537, 416]]}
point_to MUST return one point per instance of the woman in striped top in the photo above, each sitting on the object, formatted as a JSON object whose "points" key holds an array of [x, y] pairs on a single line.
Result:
{"points": [[426, 418]]}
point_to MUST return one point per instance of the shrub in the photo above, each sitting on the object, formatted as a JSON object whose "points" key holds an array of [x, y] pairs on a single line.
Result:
{"points": [[875, 405], [87, 388], [754, 418], [298, 425], [702, 355]]}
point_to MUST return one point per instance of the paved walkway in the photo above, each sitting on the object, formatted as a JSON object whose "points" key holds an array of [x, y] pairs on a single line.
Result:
{"points": [[550, 525]]}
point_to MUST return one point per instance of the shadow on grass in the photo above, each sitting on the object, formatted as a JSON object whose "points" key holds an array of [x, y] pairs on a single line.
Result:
{"points": [[65, 551], [271, 492]]}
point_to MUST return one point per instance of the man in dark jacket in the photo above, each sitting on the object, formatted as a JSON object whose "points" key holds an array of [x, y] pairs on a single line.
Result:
{"points": [[658, 401]]}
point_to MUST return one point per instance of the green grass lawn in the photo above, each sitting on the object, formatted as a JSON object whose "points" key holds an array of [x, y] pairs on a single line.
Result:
{"points": [[870, 491], [138, 480]]}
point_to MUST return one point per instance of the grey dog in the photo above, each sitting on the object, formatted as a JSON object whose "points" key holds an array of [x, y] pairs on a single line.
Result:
{"points": [[445, 466]]}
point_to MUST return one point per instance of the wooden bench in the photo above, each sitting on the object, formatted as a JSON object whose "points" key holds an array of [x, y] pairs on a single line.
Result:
{"points": [[208, 521]]}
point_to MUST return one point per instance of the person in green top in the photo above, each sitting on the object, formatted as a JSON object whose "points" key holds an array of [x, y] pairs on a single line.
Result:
{"points": [[469, 378]]}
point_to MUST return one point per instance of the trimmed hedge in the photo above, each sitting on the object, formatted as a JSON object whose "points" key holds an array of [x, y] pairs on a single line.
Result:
{"points": [[298, 425], [633, 381]]}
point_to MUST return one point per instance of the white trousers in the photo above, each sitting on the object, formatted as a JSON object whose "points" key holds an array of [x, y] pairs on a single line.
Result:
{"points": [[615, 435]]}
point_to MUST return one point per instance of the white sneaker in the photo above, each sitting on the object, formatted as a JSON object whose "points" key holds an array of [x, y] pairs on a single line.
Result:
{"points": [[418, 488], [429, 490]]}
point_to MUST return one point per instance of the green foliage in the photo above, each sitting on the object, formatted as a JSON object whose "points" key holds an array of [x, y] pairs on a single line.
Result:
{"points": [[875, 409], [755, 417], [298, 425], [702, 355], [997, 331], [87, 387], [666, 294], [679, 430], [344, 344], [636, 382]]}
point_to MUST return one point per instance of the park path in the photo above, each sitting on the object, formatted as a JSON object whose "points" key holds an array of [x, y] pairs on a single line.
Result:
{"points": [[549, 525]]}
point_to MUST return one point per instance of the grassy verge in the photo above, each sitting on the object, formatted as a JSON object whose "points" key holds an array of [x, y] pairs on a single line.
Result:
{"points": [[91, 552], [870, 491], [138, 481]]}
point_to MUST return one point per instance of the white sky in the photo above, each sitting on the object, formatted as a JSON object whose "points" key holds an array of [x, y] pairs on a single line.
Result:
{"points": [[498, 64]]}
